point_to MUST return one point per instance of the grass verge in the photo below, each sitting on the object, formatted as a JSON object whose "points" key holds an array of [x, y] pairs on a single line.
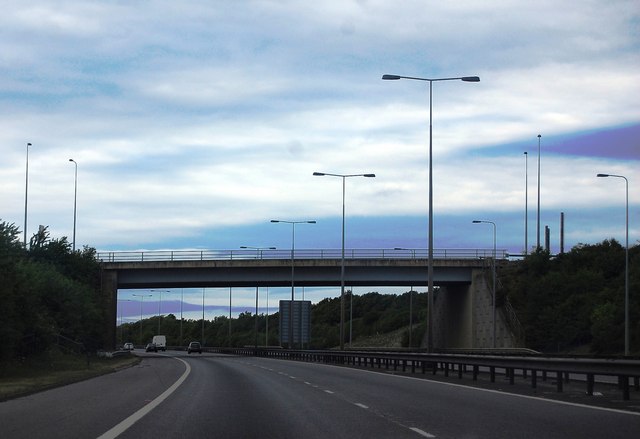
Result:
{"points": [[54, 370]]}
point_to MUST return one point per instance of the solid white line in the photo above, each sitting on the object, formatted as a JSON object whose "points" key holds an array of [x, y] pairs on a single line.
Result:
{"points": [[124, 425], [515, 395], [421, 432], [329, 392], [361, 405]]}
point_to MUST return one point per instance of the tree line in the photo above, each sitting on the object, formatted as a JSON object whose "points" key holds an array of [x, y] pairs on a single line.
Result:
{"points": [[369, 314], [49, 295], [575, 302]]}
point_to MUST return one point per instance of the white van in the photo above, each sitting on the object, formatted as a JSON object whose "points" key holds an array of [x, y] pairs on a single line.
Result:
{"points": [[160, 341]]}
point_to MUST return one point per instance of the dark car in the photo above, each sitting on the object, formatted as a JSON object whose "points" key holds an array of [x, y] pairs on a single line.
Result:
{"points": [[151, 347], [194, 346]]}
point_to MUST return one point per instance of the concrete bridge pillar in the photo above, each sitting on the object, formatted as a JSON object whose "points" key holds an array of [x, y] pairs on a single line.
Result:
{"points": [[463, 316]]}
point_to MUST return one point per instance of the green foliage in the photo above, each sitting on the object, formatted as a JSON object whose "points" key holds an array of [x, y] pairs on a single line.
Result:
{"points": [[47, 291], [575, 299], [373, 314]]}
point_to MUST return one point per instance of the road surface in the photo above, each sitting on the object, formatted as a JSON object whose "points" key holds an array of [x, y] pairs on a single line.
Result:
{"points": [[216, 396]]}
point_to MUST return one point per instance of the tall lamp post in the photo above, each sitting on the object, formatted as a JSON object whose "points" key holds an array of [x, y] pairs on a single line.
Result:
{"points": [[493, 271], [526, 203], [26, 196], [538, 213], [141, 296], [75, 199], [259, 251], [430, 250], [293, 249], [344, 178], [159, 306], [626, 264]]}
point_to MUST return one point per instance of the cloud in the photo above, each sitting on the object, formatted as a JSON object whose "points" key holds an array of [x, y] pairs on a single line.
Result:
{"points": [[188, 119]]}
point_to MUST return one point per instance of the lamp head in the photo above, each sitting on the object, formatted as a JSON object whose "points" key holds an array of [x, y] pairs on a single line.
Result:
{"points": [[319, 174], [476, 221], [390, 77], [369, 175], [311, 222], [275, 221], [602, 175], [470, 78]]}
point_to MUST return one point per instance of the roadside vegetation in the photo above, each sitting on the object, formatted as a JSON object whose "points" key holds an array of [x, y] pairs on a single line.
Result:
{"points": [[574, 302], [52, 309], [374, 317]]}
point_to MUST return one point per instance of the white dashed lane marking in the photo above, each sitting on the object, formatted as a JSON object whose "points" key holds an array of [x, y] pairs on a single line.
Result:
{"points": [[421, 432]]}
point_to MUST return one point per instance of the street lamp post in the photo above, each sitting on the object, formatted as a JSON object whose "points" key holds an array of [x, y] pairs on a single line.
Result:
{"points": [[75, 199], [626, 264], [538, 213], [293, 249], [26, 196], [181, 303], [526, 203], [344, 177], [413, 255], [159, 306], [259, 256], [141, 296], [493, 270], [430, 250], [266, 326]]}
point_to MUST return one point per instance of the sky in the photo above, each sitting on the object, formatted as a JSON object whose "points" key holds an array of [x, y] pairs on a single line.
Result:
{"points": [[195, 123]]}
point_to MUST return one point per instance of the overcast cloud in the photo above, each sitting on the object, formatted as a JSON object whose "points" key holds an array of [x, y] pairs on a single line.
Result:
{"points": [[194, 123]]}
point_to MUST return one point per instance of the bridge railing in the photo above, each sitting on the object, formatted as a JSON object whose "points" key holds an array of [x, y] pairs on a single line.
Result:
{"points": [[208, 255]]}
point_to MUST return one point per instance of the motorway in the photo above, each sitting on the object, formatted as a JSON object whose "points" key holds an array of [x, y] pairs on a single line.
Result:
{"points": [[217, 396]]}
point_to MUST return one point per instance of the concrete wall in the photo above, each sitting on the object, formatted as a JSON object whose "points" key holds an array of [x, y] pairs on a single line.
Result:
{"points": [[463, 316]]}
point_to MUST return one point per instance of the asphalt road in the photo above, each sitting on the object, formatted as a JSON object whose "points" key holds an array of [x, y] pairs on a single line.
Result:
{"points": [[215, 396]]}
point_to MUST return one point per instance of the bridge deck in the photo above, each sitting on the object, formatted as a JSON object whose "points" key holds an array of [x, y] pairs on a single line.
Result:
{"points": [[276, 268]]}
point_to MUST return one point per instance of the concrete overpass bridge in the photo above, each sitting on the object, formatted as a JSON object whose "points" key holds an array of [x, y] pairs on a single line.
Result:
{"points": [[462, 306]]}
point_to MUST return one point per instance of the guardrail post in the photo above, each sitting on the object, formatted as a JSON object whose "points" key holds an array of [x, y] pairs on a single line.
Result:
{"points": [[475, 373], [624, 382], [544, 375], [590, 382], [559, 382], [459, 370], [636, 383], [512, 375], [446, 369], [492, 374], [534, 378]]}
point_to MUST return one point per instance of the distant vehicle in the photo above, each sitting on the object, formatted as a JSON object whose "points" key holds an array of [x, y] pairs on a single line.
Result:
{"points": [[160, 341], [128, 347], [194, 346], [151, 347]]}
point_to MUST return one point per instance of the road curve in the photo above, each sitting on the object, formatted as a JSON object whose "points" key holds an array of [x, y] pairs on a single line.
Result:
{"points": [[246, 397]]}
